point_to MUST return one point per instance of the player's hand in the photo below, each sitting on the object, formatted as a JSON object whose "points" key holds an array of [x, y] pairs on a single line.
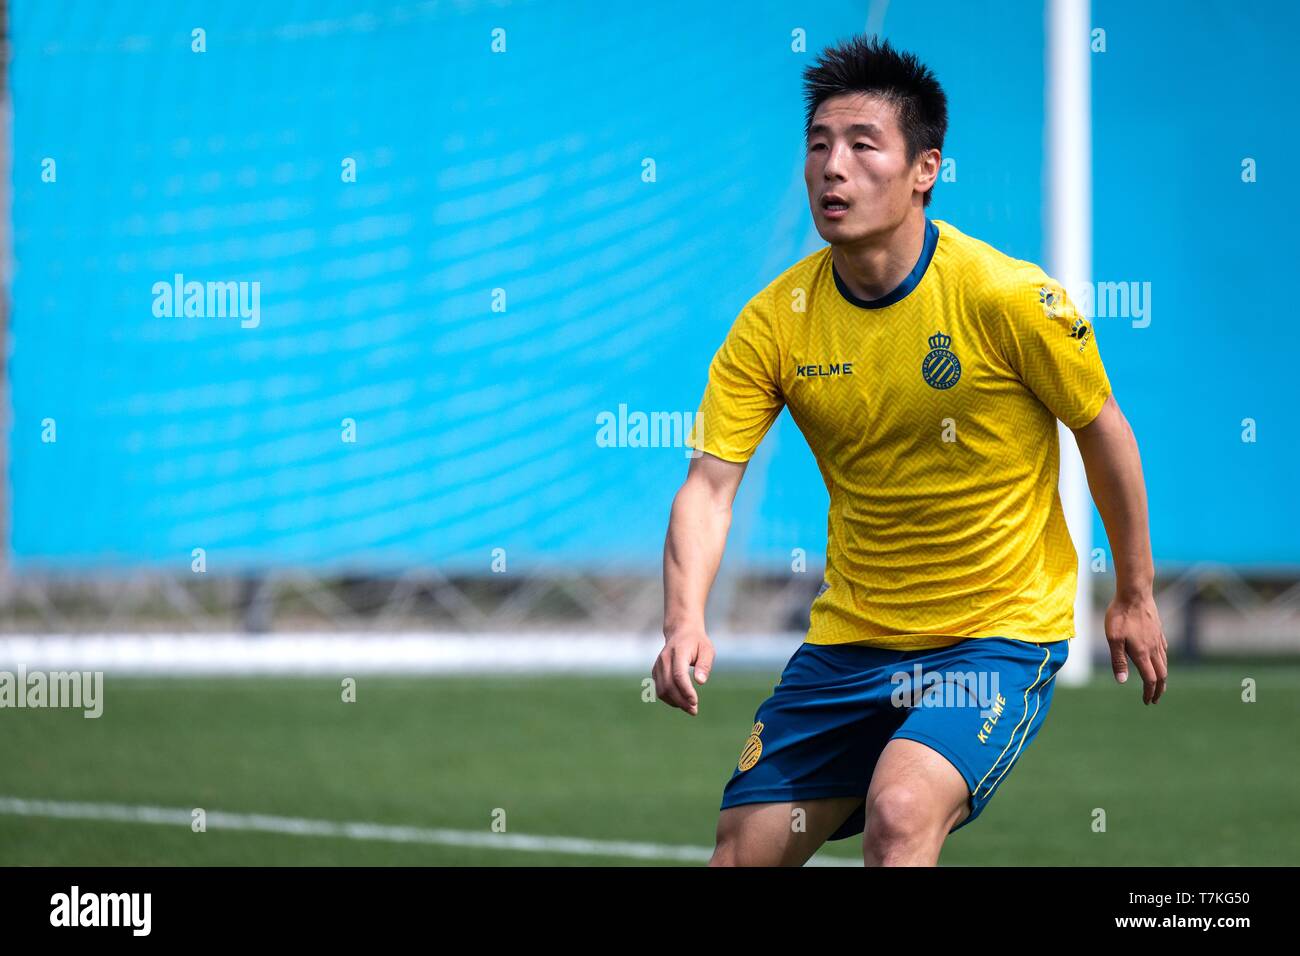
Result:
{"points": [[1133, 628], [672, 669]]}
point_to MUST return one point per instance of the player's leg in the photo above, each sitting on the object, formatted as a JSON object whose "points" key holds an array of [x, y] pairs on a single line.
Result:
{"points": [[987, 700], [804, 769], [916, 797], [778, 834]]}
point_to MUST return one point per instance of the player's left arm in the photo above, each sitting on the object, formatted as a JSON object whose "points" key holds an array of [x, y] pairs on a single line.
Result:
{"points": [[1053, 348], [1114, 466]]}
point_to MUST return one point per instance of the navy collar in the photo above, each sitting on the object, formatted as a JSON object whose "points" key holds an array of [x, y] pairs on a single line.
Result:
{"points": [[909, 282]]}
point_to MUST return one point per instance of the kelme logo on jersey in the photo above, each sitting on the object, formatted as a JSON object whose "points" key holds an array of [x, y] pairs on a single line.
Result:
{"points": [[753, 748], [818, 371], [940, 368]]}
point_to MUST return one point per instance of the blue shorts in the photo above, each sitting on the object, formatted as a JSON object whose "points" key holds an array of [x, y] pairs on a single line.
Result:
{"points": [[979, 703]]}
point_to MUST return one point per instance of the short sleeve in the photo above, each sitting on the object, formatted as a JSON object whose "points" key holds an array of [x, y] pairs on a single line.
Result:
{"points": [[743, 395], [1053, 348]]}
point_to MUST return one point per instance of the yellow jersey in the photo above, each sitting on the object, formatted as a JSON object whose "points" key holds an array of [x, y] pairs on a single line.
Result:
{"points": [[932, 415]]}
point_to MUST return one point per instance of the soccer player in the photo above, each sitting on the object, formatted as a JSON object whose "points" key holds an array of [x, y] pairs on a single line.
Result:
{"points": [[927, 372]]}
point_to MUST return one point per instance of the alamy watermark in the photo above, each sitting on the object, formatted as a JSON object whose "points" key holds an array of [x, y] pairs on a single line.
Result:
{"points": [[76, 908], [636, 429], [181, 299], [1113, 300], [78, 690], [923, 688]]}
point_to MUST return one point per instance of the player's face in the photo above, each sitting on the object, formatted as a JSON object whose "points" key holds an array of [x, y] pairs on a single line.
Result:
{"points": [[856, 153]]}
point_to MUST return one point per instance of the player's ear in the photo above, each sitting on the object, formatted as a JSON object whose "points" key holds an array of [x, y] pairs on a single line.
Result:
{"points": [[927, 168]]}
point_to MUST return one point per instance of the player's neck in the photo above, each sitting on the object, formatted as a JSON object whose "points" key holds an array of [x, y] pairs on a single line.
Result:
{"points": [[874, 267]]}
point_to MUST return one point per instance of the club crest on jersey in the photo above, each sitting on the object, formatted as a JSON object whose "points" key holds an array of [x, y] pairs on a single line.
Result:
{"points": [[753, 748], [940, 368]]}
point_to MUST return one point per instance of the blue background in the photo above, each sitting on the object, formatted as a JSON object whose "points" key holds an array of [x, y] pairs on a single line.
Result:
{"points": [[522, 171]]}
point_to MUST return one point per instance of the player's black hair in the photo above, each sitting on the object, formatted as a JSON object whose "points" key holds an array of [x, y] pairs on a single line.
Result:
{"points": [[869, 64]]}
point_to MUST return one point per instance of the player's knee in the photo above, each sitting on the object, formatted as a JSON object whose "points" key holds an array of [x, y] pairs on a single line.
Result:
{"points": [[900, 815], [738, 844], [730, 844], [726, 848], [739, 853], [725, 853]]}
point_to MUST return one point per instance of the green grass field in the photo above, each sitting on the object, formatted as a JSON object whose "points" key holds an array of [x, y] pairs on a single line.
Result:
{"points": [[1200, 779]]}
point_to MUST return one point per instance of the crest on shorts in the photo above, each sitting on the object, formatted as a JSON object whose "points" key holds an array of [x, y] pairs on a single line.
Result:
{"points": [[753, 748], [940, 368]]}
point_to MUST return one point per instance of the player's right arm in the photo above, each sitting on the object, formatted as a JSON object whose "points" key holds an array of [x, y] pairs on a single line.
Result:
{"points": [[697, 536], [742, 399]]}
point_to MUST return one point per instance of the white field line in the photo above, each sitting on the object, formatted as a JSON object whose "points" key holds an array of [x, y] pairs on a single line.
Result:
{"points": [[296, 826]]}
